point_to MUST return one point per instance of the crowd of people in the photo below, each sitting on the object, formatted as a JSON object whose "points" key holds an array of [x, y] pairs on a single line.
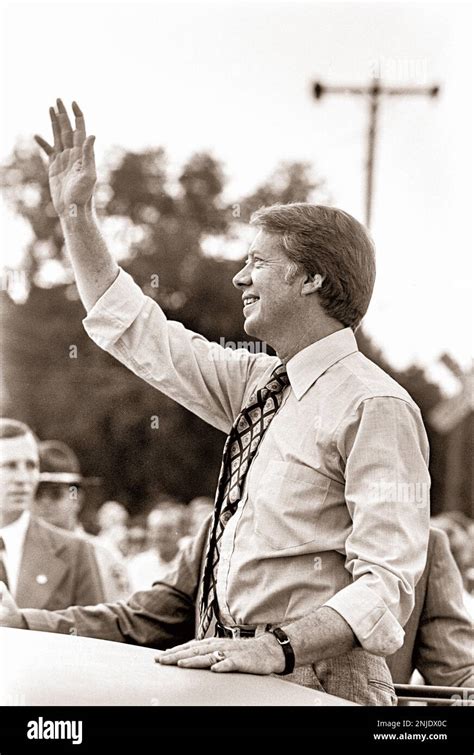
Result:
{"points": [[42, 501]]}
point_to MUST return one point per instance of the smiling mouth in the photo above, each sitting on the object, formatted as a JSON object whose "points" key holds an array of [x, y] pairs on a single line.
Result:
{"points": [[19, 494], [248, 302]]}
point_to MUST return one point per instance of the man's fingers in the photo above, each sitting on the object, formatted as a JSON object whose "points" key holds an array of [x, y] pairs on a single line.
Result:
{"points": [[79, 135], [201, 661], [64, 124], [201, 645], [47, 148], [181, 654], [88, 153], [187, 649], [56, 130], [226, 665], [63, 160], [61, 108], [220, 655]]}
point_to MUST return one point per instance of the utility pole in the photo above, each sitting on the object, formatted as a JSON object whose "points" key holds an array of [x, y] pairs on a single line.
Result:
{"points": [[372, 93]]}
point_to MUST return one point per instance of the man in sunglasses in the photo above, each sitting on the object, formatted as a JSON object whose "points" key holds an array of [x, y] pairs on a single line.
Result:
{"points": [[58, 501]]}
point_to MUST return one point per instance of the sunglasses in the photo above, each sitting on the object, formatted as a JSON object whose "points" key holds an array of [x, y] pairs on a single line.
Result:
{"points": [[54, 491]]}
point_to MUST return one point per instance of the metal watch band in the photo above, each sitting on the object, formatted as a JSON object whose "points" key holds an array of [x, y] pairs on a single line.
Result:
{"points": [[285, 644]]}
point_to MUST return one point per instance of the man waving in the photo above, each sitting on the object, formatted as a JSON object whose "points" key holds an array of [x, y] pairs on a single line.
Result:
{"points": [[320, 525]]}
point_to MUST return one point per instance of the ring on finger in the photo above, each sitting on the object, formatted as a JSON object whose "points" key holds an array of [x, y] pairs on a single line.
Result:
{"points": [[218, 655]]}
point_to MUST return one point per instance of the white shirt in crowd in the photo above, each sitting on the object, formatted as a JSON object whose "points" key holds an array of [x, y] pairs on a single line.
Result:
{"points": [[13, 536], [112, 567], [145, 568]]}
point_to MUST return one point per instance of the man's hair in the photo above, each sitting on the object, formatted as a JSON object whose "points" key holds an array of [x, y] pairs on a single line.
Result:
{"points": [[13, 428], [328, 241]]}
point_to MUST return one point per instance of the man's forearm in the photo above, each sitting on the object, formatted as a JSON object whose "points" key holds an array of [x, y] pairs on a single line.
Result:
{"points": [[322, 633], [94, 267]]}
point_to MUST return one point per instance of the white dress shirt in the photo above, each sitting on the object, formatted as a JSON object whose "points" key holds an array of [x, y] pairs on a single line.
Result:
{"points": [[13, 536], [335, 507]]}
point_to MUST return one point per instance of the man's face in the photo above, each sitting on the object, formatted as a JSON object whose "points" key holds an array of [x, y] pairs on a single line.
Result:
{"points": [[111, 515], [269, 300], [57, 504], [19, 473]]}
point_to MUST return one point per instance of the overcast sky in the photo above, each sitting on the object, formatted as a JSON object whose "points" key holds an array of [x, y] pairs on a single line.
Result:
{"points": [[236, 78]]}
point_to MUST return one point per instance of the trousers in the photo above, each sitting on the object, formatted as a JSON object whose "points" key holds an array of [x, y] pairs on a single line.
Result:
{"points": [[358, 676]]}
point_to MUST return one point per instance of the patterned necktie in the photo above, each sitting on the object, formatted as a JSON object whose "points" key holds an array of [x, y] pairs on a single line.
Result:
{"points": [[3, 571], [239, 450]]}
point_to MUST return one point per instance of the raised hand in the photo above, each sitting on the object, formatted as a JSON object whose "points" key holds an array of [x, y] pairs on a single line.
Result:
{"points": [[72, 172]]}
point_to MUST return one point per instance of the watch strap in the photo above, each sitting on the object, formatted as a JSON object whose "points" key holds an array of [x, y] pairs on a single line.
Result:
{"points": [[285, 644]]}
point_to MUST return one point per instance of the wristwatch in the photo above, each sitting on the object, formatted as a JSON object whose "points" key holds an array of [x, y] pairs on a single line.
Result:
{"points": [[285, 644]]}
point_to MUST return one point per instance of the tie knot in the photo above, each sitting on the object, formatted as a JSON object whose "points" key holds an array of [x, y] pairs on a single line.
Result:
{"points": [[279, 371]]}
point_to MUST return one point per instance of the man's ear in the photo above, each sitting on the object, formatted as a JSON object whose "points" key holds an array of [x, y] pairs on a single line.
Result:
{"points": [[312, 283]]}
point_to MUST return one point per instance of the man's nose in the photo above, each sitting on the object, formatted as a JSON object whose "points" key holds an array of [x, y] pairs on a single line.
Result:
{"points": [[25, 473], [242, 278], [20, 476]]}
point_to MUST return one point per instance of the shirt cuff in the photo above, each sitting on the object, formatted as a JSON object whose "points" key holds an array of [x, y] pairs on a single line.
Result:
{"points": [[115, 311], [376, 628]]}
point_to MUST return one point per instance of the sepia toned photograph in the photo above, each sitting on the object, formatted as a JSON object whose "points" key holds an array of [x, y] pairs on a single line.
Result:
{"points": [[237, 379]]}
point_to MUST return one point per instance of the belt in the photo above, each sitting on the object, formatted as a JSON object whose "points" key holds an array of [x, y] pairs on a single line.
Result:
{"points": [[235, 632]]}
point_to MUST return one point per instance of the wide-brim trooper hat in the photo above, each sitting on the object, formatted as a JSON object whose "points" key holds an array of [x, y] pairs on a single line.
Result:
{"points": [[59, 464]]}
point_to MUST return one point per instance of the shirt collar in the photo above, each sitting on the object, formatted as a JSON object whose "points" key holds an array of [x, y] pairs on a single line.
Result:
{"points": [[310, 363], [15, 532]]}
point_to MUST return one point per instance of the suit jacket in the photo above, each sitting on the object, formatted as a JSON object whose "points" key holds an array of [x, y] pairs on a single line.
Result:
{"points": [[57, 570], [439, 637]]}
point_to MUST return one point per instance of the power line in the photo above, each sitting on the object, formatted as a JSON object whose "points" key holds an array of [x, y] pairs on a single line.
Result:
{"points": [[372, 93]]}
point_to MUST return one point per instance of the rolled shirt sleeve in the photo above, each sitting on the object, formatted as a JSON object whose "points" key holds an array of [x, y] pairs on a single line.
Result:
{"points": [[203, 376], [385, 449]]}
